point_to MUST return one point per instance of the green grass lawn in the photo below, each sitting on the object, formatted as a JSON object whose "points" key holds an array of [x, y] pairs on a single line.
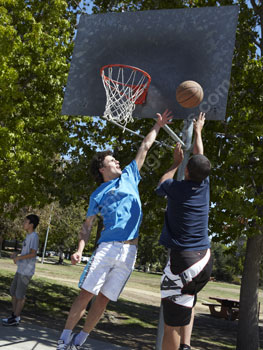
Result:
{"points": [[68, 274]]}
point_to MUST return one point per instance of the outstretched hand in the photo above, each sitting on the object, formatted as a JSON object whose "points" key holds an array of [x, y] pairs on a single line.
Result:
{"points": [[178, 154], [164, 118], [199, 123]]}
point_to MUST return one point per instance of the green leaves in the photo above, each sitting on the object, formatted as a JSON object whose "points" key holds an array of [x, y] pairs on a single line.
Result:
{"points": [[35, 49]]}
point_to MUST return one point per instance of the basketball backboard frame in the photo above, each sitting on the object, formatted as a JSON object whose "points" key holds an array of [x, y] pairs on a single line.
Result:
{"points": [[171, 45]]}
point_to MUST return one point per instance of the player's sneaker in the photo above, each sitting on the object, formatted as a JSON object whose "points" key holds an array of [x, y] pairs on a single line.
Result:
{"points": [[72, 345], [184, 347], [6, 319], [62, 346], [10, 321]]}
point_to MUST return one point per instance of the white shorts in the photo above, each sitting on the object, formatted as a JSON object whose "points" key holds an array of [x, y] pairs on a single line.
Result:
{"points": [[109, 268]]}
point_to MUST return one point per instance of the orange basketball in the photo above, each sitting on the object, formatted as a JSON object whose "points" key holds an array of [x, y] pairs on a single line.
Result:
{"points": [[189, 94]]}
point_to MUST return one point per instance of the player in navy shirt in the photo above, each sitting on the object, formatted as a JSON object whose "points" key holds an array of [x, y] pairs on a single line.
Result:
{"points": [[117, 200], [186, 218], [185, 232]]}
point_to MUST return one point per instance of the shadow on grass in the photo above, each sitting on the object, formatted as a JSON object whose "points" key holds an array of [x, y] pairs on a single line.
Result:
{"points": [[213, 333], [45, 301], [129, 324], [124, 323]]}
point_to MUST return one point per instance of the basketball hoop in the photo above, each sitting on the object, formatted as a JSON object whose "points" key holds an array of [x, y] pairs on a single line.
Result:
{"points": [[125, 87]]}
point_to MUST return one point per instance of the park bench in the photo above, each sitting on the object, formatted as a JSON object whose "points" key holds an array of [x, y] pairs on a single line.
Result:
{"points": [[228, 308]]}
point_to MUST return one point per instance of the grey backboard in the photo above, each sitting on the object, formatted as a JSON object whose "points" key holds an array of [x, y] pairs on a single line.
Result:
{"points": [[171, 45]]}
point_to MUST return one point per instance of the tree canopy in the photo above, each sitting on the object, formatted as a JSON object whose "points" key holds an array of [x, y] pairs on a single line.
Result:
{"points": [[36, 42]]}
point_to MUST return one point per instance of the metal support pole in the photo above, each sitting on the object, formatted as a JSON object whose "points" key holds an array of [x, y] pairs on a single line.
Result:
{"points": [[187, 140], [45, 245], [135, 133], [173, 135]]}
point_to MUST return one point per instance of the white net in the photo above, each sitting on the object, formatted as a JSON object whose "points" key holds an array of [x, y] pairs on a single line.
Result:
{"points": [[125, 87]]}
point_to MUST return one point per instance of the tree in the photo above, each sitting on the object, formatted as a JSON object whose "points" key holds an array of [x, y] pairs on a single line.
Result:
{"points": [[65, 226], [11, 229], [36, 42], [228, 261]]}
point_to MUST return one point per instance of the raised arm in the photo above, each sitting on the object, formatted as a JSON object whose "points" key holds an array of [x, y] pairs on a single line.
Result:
{"points": [[198, 142], [178, 158], [84, 236], [150, 138]]}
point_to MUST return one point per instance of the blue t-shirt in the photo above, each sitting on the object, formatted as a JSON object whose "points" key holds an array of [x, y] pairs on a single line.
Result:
{"points": [[186, 216], [119, 203]]}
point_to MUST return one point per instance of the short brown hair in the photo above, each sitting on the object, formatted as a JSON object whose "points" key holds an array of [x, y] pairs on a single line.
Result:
{"points": [[97, 163], [198, 167]]}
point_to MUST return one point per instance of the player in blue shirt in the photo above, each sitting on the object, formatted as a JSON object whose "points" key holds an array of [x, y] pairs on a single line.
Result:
{"points": [[117, 200], [185, 232]]}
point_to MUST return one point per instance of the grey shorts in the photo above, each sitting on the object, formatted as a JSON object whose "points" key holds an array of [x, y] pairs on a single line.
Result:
{"points": [[19, 285]]}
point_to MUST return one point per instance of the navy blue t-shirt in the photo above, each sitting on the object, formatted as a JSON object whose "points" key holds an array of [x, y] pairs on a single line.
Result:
{"points": [[186, 216]]}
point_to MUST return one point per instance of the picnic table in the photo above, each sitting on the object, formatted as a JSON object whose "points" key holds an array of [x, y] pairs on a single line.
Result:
{"points": [[225, 308]]}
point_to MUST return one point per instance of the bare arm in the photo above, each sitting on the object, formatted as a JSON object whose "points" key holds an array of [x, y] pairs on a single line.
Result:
{"points": [[198, 142], [32, 254], [84, 236], [178, 158], [150, 138]]}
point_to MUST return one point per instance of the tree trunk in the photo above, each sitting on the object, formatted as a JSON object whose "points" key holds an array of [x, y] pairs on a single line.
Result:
{"points": [[248, 330]]}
